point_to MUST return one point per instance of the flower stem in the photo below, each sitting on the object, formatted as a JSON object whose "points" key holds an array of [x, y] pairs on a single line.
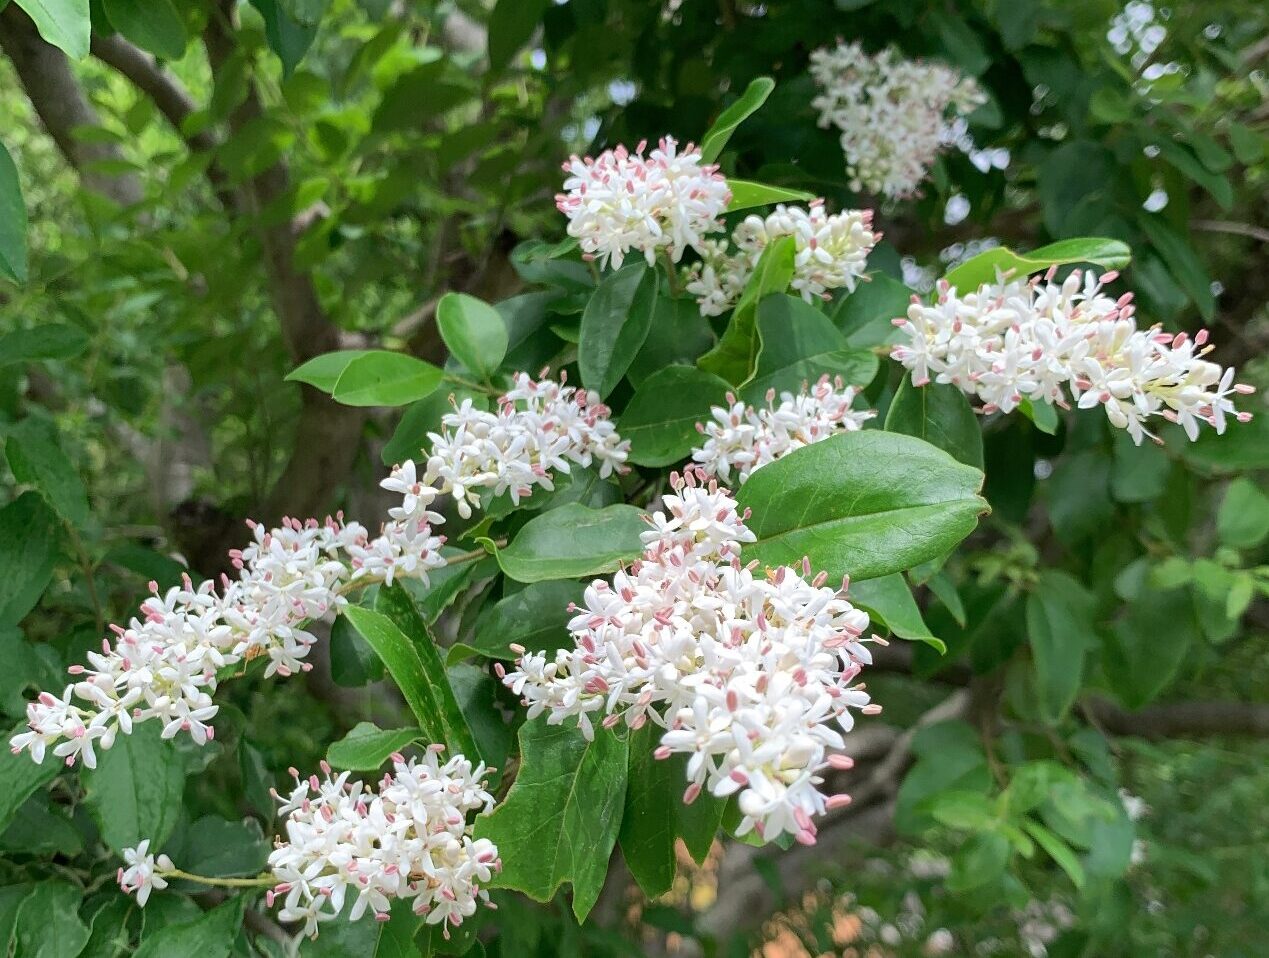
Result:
{"points": [[468, 384], [263, 880]]}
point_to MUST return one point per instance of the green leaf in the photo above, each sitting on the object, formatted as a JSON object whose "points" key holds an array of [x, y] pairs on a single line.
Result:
{"points": [[394, 602], [1187, 164], [941, 415], [980, 861], [307, 12], [134, 793], [28, 550], [473, 331], [152, 25], [797, 345], [511, 26], [715, 139], [889, 599], [12, 230], [862, 504], [410, 438], [678, 337], [648, 825], [1060, 625], [48, 923], [1043, 415], [967, 811], [974, 272], [210, 936], [382, 378], [353, 663], [1058, 850], [746, 194], [404, 665], [367, 746], [536, 617], [37, 459], [865, 315], [478, 694], [220, 848], [20, 777], [560, 820], [660, 420], [1243, 519], [574, 541], [64, 23], [48, 341], [734, 357], [1148, 645], [287, 38], [1182, 262], [322, 372], [615, 324]]}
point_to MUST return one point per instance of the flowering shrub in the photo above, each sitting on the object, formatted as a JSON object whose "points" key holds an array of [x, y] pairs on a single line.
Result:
{"points": [[705, 524]]}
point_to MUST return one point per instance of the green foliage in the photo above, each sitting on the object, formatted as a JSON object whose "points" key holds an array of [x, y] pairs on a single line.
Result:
{"points": [[573, 541]]}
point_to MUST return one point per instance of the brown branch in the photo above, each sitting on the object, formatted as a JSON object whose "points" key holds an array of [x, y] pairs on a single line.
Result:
{"points": [[160, 86], [1182, 719]]}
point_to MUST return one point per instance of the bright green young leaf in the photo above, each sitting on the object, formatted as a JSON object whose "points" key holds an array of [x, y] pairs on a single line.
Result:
{"points": [[798, 344], [49, 341], [322, 372], [28, 549], [153, 25], [382, 378], [865, 315], [536, 617], [1107, 253], [511, 26], [889, 599], [863, 504], [64, 23], [1243, 519], [134, 793], [473, 331], [367, 746], [746, 194], [941, 415], [1059, 615], [574, 541], [615, 324], [713, 142], [36, 459], [734, 357], [48, 923], [212, 935], [560, 820], [12, 228], [660, 420], [1058, 850]]}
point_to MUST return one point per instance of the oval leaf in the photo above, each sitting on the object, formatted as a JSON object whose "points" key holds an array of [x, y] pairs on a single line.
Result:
{"points": [[322, 372], [798, 344], [661, 419], [746, 194], [473, 331], [574, 541], [12, 226], [367, 746], [734, 357], [716, 138], [1100, 251], [381, 378], [152, 25], [888, 599], [941, 415], [615, 323]]}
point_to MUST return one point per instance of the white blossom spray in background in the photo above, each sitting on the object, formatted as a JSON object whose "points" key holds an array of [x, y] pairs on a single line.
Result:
{"points": [[893, 114], [748, 672], [743, 438], [1042, 340]]}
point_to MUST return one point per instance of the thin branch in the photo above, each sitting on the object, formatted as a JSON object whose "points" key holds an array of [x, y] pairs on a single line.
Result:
{"points": [[1232, 227], [1183, 719]]}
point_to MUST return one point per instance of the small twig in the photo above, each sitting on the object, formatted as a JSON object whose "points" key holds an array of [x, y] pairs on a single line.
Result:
{"points": [[1232, 227]]}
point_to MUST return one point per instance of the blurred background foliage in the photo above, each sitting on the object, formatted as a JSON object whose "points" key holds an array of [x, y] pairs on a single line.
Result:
{"points": [[217, 191]]}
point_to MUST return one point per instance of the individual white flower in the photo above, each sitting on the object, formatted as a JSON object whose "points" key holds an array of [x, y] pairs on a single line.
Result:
{"points": [[893, 114], [1043, 341], [743, 438], [748, 673], [410, 839], [621, 201], [143, 872]]}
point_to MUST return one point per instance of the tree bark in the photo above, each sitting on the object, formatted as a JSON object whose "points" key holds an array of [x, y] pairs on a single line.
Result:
{"points": [[1183, 719]]}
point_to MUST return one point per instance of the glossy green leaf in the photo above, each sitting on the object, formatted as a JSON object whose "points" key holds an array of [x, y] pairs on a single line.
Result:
{"points": [[560, 820], [404, 665], [47, 341], [36, 458], [574, 541], [536, 617], [367, 747], [20, 777], [473, 332], [865, 315], [797, 345], [713, 142], [220, 847], [48, 923], [322, 372], [28, 550], [1107, 253], [511, 26], [1059, 615], [889, 599], [660, 420], [734, 357], [153, 25], [64, 23], [382, 378], [1043, 415], [12, 228], [211, 935], [648, 825], [353, 663], [746, 194], [409, 440], [134, 793], [863, 504], [615, 324], [941, 415]]}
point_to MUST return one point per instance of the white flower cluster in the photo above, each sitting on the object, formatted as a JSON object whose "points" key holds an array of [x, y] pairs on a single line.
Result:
{"points": [[1018, 339], [744, 438], [144, 872], [540, 427], [165, 664], [623, 201], [892, 113], [409, 840], [749, 675], [830, 252]]}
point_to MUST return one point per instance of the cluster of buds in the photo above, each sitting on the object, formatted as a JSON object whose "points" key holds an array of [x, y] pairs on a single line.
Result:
{"points": [[748, 672], [893, 114], [1041, 340], [743, 438]]}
